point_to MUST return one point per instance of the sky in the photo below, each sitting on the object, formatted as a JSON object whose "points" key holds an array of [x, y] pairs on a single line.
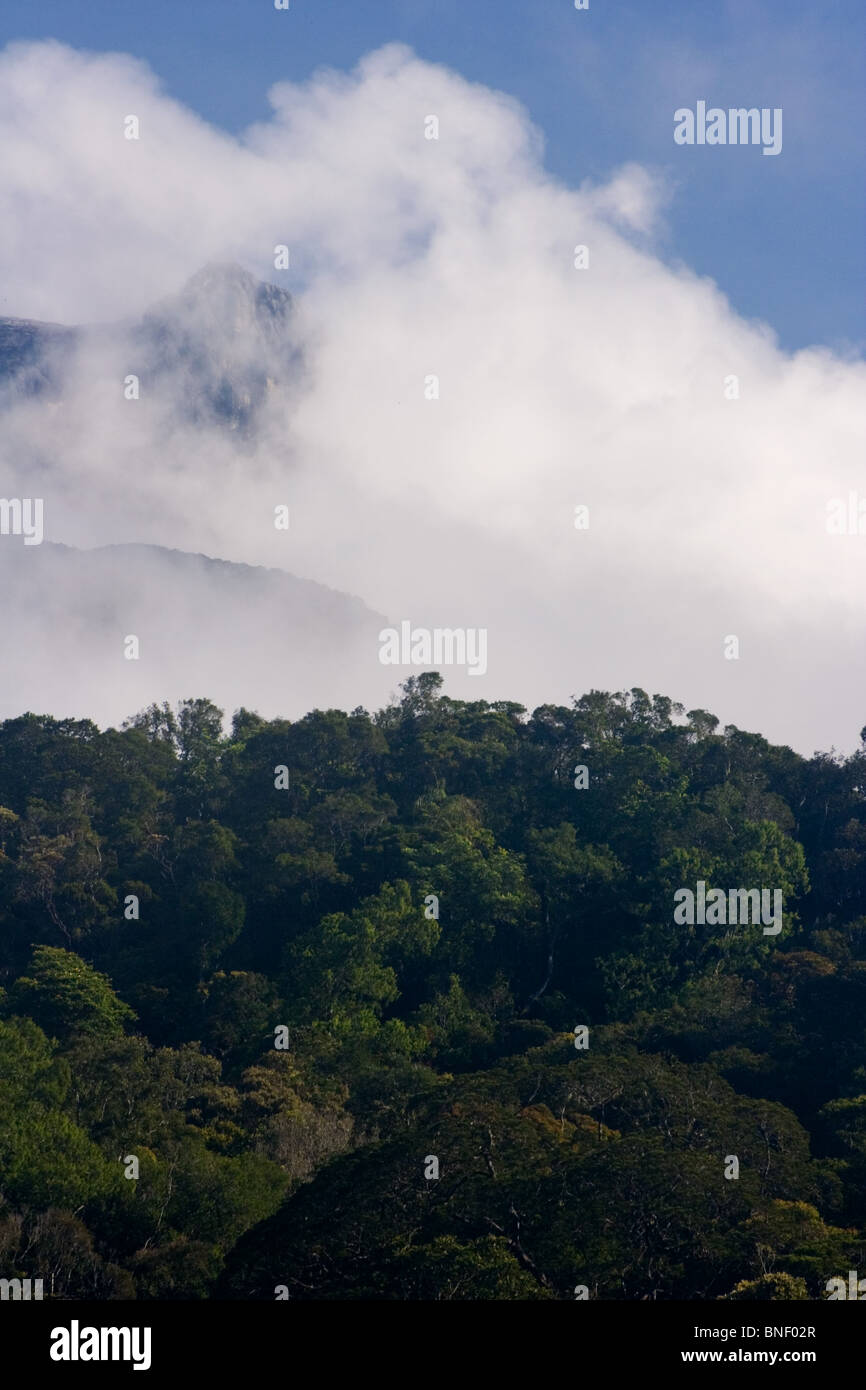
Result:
{"points": [[468, 380], [782, 237]]}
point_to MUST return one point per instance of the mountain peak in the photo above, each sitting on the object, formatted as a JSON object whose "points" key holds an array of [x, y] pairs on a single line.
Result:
{"points": [[217, 347], [220, 275], [223, 299]]}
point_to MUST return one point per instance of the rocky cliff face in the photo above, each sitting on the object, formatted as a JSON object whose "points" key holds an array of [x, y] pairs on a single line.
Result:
{"points": [[33, 357], [216, 348], [225, 340]]}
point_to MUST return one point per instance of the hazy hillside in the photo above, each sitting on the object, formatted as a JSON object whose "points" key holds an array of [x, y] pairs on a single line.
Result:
{"points": [[257, 636], [205, 361]]}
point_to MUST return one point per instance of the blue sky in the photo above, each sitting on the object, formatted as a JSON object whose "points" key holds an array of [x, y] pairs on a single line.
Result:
{"points": [[783, 237]]}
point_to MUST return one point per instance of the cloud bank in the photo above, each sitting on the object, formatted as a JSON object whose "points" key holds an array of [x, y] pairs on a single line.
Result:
{"points": [[460, 387]]}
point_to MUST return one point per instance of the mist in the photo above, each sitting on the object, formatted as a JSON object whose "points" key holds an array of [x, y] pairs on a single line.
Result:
{"points": [[441, 391]]}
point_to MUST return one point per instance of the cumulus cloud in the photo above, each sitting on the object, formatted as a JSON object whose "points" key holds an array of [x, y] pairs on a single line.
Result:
{"points": [[452, 258]]}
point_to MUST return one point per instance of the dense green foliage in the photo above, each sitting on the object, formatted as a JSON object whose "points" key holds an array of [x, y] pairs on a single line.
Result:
{"points": [[244, 987]]}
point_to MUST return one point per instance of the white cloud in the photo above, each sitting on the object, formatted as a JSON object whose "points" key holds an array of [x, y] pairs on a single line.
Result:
{"points": [[558, 386]]}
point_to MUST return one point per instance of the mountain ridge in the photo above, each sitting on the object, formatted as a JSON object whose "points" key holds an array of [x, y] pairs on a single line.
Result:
{"points": [[216, 347]]}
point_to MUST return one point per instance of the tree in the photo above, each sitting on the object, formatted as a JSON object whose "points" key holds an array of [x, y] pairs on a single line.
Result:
{"points": [[66, 996]]}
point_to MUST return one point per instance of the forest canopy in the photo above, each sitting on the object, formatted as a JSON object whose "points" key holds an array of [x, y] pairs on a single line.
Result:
{"points": [[395, 1005]]}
